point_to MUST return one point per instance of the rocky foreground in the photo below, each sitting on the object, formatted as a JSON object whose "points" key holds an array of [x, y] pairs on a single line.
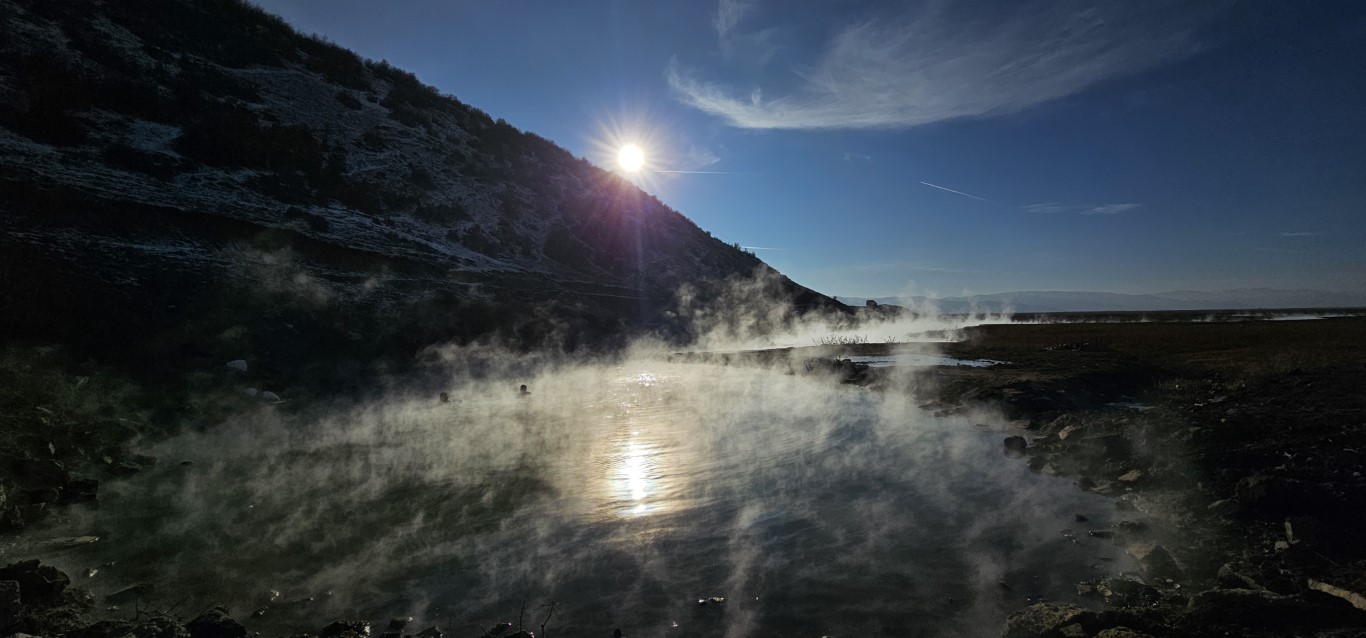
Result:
{"points": [[1241, 446]]}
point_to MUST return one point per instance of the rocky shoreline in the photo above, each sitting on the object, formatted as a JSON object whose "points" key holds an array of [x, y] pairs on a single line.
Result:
{"points": [[1241, 445]]}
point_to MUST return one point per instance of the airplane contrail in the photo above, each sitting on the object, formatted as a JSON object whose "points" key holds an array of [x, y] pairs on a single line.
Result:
{"points": [[959, 193]]}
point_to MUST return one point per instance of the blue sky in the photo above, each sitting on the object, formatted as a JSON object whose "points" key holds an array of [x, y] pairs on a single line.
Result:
{"points": [[1115, 146]]}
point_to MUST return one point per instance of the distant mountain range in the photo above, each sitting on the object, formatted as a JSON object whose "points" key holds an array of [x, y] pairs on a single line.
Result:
{"points": [[1080, 301]]}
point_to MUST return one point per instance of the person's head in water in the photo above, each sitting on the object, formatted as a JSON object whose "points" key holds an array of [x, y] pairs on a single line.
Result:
{"points": [[524, 390]]}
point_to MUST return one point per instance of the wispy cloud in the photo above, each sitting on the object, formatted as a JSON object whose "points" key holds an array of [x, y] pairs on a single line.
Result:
{"points": [[1053, 208], [761, 248], [942, 60], [698, 157], [1109, 209], [1300, 233], [728, 15], [752, 48], [956, 192], [849, 157], [1049, 208]]}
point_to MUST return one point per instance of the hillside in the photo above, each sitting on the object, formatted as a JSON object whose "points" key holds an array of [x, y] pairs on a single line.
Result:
{"points": [[177, 169], [1081, 301]]}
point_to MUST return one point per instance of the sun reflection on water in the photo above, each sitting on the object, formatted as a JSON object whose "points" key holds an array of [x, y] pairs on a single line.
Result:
{"points": [[637, 452]]}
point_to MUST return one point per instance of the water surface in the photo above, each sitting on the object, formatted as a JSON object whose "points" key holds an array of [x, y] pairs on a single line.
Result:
{"points": [[623, 493]]}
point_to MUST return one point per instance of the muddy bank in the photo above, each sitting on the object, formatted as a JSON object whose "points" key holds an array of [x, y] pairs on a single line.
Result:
{"points": [[1245, 443]]}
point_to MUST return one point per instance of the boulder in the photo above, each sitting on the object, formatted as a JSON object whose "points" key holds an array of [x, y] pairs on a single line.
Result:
{"points": [[1155, 560], [10, 605], [1242, 608], [39, 585], [1230, 577], [215, 623], [1016, 445]]}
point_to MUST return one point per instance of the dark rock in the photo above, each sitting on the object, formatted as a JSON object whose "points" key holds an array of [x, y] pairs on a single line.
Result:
{"points": [[160, 627], [345, 628], [80, 491], [1043, 620], [1230, 577], [40, 472], [39, 585], [1127, 592], [1122, 632], [1155, 560], [103, 629], [10, 605], [1226, 508], [1016, 445], [132, 465], [1354, 599], [499, 629], [1242, 608], [430, 632], [215, 623], [1278, 497], [397, 624], [140, 591]]}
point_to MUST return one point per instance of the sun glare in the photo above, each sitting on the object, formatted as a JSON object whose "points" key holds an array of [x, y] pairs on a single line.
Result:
{"points": [[631, 158]]}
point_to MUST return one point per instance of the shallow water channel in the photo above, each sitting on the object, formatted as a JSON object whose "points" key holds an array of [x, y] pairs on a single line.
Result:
{"points": [[624, 493]]}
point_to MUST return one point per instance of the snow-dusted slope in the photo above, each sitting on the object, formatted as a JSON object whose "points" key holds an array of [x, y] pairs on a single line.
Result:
{"points": [[208, 138]]}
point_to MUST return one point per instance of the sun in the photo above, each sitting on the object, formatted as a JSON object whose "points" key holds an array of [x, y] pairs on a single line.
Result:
{"points": [[631, 158]]}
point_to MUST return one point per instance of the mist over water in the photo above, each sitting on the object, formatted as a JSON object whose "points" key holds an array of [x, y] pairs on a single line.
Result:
{"points": [[623, 492]]}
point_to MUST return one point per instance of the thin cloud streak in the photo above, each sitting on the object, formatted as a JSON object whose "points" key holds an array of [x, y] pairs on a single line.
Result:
{"points": [[1300, 234], [1053, 208], [958, 192], [943, 61], [1110, 209]]}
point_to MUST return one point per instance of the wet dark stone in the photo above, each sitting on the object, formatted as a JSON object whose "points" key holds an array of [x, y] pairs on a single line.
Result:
{"points": [[160, 628], [1276, 497], [1155, 560], [40, 472], [1242, 608], [430, 632], [39, 585], [1016, 445], [215, 623], [80, 491], [103, 629], [345, 628], [10, 605], [1042, 619], [140, 591]]}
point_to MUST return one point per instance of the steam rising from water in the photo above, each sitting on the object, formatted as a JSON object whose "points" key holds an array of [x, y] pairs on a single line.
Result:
{"points": [[624, 492]]}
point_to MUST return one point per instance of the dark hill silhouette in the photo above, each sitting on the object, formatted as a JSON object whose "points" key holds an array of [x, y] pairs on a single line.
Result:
{"points": [[177, 169]]}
